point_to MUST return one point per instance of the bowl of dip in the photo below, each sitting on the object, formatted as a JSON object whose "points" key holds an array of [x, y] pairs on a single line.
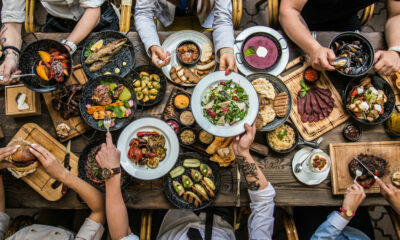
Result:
{"points": [[261, 51], [319, 162]]}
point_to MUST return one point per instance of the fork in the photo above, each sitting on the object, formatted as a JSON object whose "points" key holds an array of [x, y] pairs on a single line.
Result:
{"points": [[107, 123], [358, 173]]}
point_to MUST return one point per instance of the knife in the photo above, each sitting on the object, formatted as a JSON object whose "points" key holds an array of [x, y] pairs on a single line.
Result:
{"points": [[362, 164], [56, 184], [237, 204]]}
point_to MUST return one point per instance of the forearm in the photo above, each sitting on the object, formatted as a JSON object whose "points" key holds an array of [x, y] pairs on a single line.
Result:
{"points": [[117, 215], [144, 23], [89, 194], [297, 30], [223, 27], [392, 31], [10, 35], [254, 176], [86, 24]]}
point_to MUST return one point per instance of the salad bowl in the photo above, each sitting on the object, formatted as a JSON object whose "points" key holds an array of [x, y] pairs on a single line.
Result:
{"points": [[222, 104]]}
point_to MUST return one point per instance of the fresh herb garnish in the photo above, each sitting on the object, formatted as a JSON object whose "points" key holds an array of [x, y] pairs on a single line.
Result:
{"points": [[249, 51], [88, 51], [282, 134], [304, 89], [100, 123], [116, 110], [126, 104]]}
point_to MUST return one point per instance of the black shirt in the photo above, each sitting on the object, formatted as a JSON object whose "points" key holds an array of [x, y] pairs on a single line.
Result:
{"points": [[334, 15]]}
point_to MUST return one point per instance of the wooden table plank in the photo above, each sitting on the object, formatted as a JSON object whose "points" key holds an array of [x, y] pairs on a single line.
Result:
{"points": [[277, 168]]}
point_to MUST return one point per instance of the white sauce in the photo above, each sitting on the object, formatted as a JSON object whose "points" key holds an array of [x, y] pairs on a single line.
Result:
{"points": [[261, 52], [378, 107]]}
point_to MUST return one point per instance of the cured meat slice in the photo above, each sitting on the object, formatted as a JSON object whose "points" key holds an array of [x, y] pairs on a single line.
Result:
{"points": [[327, 99], [321, 103], [321, 115], [304, 117], [326, 92], [308, 107], [310, 117], [314, 104], [300, 104]]}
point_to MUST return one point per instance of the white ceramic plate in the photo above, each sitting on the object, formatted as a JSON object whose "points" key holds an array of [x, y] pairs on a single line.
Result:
{"points": [[173, 41], [306, 176], [171, 143], [211, 80], [279, 66]]}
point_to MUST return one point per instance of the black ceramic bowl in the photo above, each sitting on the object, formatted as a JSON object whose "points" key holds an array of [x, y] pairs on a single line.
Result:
{"points": [[187, 128], [126, 54], [179, 118], [175, 120], [86, 99], [179, 57], [83, 158], [269, 36], [279, 87], [349, 37], [308, 81], [380, 84], [352, 139], [173, 197], [199, 141], [150, 70], [30, 58], [183, 93]]}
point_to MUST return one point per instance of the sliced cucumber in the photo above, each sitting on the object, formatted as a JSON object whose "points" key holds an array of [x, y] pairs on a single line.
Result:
{"points": [[191, 163], [176, 172]]}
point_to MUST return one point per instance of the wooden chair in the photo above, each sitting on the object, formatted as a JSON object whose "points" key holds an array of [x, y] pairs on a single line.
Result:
{"points": [[145, 228], [192, 23], [125, 20], [291, 231], [273, 13]]}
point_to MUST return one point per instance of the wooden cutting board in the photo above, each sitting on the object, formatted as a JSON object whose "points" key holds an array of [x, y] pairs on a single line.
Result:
{"points": [[391, 80], [39, 180], [342, 153], [77, 124], [311, 131]]}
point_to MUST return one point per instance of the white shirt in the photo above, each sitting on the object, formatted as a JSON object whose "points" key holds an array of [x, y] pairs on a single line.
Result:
{"points": [[90, 230], [177, 222], [14, 10]]}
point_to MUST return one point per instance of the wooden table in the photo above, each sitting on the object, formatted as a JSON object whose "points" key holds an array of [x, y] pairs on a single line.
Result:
{"points": [[277, 169]]}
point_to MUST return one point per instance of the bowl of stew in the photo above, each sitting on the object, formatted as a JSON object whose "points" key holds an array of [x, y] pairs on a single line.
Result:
{"points": [[188, 53]]}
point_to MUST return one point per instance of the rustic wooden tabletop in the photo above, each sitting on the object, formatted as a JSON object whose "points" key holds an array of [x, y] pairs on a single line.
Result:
{"points": [[277, 168]]}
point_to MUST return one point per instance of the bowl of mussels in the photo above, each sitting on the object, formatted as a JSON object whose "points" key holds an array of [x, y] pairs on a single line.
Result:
{"points": [[354, 54]]}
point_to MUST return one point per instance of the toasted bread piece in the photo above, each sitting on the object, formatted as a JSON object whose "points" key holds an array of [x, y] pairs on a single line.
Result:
{"points": [[191, 77], [206, 52], [207, 66], [281, 104]]}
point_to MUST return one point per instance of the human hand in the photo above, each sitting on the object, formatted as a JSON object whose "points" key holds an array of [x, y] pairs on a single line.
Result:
{"points": [[387, 62], [157, 54], [227, 61], [241, 144], [391, 194], [4, 153], [353, 197], [9, 67], [109, 155], [321, 58], [49, 162]]}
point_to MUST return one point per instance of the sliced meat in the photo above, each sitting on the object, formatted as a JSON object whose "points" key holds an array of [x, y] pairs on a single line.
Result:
{"points": [[118, 91], [314, 104], [304, 117], [322, 104], [321, 115], [326, 92], [310, 118], [300, 104], [308, 107], [327, 99]]}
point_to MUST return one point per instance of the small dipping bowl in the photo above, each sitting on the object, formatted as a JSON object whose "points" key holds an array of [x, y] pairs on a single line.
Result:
{"points": [[185, 132], [186, 118], [352, 132], [178, 106], [311, 76], [174, 124], [320, 155], [395, 177], [204, 133], [178, 55]]}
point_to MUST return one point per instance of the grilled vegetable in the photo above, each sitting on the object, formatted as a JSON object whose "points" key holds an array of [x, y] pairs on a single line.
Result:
{"points": [[191, 163], [208, 189], [209, 183], [192, 198], [178, 188], [187, 182], [152, 162], [200, 191], [196, 175], [205, 170], [176, 172], [102, 114]]}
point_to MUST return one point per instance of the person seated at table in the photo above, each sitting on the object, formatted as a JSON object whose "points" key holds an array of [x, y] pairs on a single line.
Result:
{"points": [[184, 224], [299, 17], [350, 222], [216, 14], [77, 17], [92, 228]]}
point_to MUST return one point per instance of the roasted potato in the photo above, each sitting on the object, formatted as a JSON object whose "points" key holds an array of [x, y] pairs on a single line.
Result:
{"points": [[152, 97], [143, 84], [139, 95], [156, 85], [143, 74], [136, 83], [146, 98], [153, 91], [145, 91], [154, 77]]}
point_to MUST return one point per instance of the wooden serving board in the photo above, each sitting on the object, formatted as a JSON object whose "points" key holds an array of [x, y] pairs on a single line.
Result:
{"points": [[391, 80], [310, 131], [39, 180], [78, 126], [342, 153]]}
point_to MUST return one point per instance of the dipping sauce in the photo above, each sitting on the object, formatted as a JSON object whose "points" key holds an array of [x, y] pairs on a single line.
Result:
{"points": [[351, 132], [188, 52], [187, 136], [260, 52], [186, 118], [181, 101], [205, 137], [173, 124], [311, 75]]}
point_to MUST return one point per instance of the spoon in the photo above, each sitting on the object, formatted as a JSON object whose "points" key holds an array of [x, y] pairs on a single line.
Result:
{"points": [[358, 173], [18, 76], [299, 166]]}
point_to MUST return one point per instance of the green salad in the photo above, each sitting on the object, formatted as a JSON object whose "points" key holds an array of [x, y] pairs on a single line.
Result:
{"points": [[225, 103]]}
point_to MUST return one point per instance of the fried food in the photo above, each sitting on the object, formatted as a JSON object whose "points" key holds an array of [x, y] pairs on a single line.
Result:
{"points": [[222, 151], [264, 88]]}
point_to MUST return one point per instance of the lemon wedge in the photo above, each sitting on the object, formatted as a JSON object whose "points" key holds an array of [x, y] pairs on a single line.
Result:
{"points": [[97, 46]]}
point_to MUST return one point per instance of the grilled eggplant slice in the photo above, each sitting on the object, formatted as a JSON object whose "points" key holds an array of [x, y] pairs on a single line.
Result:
{"points": [[196, 175], [178, 188]]}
